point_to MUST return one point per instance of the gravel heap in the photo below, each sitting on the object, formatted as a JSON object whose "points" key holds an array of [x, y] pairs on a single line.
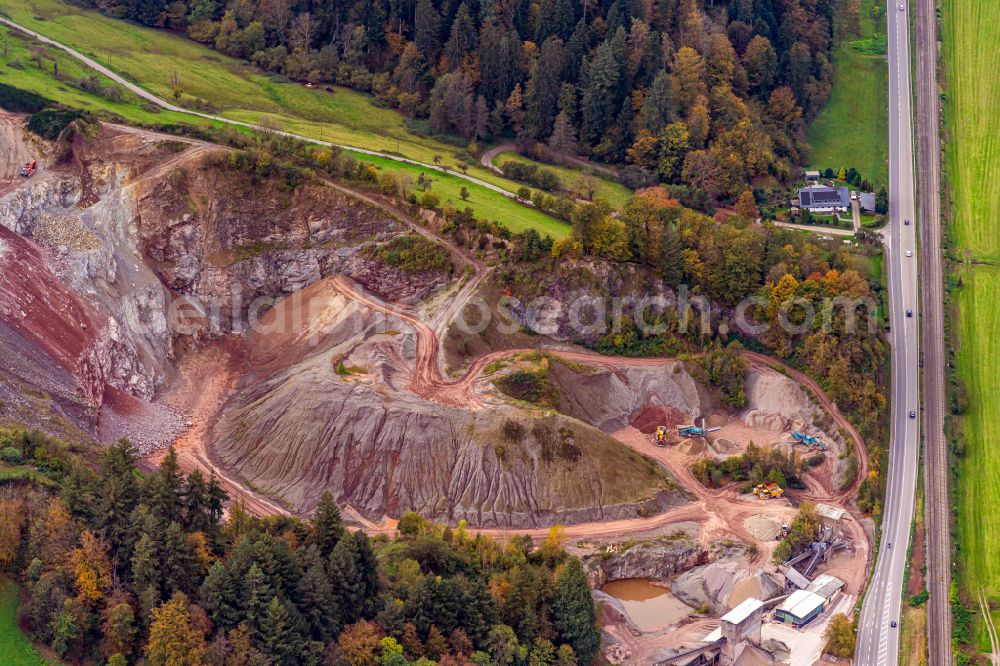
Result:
{"points": [[65, 230], [154, 427], [762, 526]]}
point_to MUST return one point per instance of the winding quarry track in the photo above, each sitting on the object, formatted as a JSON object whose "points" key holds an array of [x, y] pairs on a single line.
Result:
{"points": [[721, 511], [164, 104], [427, 380]]}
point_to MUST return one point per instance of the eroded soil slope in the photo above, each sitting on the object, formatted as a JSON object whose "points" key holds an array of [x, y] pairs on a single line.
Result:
{"points": [[296, 427], [137, 253]]}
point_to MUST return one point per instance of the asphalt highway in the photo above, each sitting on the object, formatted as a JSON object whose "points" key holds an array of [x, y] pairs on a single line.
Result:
{"points": [[878, 640]]}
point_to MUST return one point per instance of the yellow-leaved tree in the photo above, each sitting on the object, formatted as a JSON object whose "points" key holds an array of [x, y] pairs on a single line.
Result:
{"points": [[173, 641]]}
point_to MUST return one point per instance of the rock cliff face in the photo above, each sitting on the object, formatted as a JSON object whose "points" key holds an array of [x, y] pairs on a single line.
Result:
{"points": [[219, 238], [135, 247], [576, 302], [657, 559]]}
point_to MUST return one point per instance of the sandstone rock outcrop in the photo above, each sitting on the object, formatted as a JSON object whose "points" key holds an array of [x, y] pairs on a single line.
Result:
{"points": [[657, 559], [612, 400]]}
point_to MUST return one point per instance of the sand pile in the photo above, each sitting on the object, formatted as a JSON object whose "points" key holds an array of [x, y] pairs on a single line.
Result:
{"points": [[776, 393], [763, 420], [726, 446], [693, 447], [762, 526]]}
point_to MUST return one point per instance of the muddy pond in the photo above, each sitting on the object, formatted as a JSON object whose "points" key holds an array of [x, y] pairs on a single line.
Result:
{"points": [[650, 606]]}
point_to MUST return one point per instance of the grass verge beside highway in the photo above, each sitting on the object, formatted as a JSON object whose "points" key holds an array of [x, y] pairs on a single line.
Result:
{"points": [[852, 130]]}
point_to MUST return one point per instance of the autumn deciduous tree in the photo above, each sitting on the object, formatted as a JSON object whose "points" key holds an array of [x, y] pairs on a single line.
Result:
{"points": [[11, 522], [760, 62], [643, 151], [119, 629], [746, 206], [688, 71], [359, 644], [611, 240], [840, 637], [436, 646], [173, 641], [91, 568], [674, 141]]}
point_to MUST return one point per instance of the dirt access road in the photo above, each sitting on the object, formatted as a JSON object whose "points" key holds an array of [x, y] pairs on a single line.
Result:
{"points": [[204, 390], [580, 162], [721, 511], [17, 151]]}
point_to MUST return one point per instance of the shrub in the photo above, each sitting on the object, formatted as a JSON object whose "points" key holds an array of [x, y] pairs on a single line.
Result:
{"points": [[11, 455], [528, 386], [512, 431], [430, 200], [533, 175], [21, 101], [50, 123], [413, 253]]}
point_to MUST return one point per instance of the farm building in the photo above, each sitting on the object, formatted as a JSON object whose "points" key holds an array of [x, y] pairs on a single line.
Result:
{"points": [[800, 608], [823, 199]]}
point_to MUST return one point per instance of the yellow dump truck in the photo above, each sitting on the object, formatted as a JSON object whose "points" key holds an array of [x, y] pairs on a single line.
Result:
{"points": [[768, 490], [660, 437]]}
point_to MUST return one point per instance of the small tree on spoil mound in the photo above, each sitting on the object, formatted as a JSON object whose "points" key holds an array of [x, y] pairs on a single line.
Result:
{"points": [[803, 532], [529, 386], [755, 465]]}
